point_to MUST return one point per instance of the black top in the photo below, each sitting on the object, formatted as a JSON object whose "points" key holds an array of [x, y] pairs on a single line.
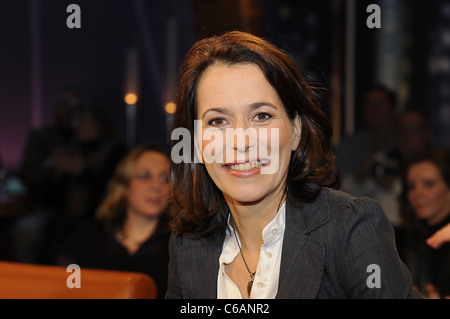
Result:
{"points": [[427, 265], [94, 245]]}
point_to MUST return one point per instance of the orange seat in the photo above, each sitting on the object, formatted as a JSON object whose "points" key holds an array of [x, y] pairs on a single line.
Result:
{"points": [[30, 281]]}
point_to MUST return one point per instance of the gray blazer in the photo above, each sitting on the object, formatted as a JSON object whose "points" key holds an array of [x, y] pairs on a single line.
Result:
{"points": [[327, 248]]}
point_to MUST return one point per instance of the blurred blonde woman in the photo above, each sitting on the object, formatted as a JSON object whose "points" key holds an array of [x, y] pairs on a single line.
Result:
{"points": [[131, 231]]}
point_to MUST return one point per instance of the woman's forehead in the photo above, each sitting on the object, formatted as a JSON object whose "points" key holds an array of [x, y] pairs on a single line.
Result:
{"points": [[234, 85]]}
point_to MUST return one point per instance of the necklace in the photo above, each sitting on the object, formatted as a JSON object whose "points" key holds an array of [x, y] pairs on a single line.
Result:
{"points": [[252, 274], [133, 244]]}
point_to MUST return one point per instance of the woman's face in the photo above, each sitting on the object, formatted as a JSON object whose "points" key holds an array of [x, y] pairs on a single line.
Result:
{"points": [[428, 193], [413, 134], [149, 187], [246, 135], [87, 128]]}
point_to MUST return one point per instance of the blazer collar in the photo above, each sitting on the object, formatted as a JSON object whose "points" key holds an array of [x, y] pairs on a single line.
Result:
{"points": [[302, 258], [305, 217], [201, 268]]}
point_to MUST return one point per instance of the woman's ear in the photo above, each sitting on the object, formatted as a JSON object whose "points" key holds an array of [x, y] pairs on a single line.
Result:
{"points": [[296, 132]]}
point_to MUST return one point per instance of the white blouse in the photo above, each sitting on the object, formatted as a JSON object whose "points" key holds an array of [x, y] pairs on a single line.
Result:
{"points": [[265, 285]]}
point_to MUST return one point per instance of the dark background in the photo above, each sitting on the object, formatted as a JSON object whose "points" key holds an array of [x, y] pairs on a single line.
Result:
{"points": [[34, 36]]}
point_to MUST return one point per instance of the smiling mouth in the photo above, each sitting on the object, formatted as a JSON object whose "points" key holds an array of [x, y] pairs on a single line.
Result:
{"points": [[246, 166]]}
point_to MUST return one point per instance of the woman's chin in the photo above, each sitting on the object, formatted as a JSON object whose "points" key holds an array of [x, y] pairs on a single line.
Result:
{"points": [[243, 197]]}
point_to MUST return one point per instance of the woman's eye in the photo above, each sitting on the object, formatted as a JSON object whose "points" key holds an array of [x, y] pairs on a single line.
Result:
{"points": [[262, 116], [143, 176], [164, 179], [216, 122], [429, 183]]}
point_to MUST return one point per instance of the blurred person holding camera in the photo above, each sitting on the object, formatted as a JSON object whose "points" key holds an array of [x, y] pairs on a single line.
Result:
{"points": [[378, 175], [364, 158]]}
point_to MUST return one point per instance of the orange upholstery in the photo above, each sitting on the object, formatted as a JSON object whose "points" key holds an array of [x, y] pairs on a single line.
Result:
{"points": [[29, 281]]}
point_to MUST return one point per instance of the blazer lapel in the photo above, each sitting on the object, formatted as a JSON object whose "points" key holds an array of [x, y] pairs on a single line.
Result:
{"points": [[302, 257], [200, 265]]}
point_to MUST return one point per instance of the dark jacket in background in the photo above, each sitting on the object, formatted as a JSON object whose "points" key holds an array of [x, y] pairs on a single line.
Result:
{"points": [[427, 265], [94, 245]]}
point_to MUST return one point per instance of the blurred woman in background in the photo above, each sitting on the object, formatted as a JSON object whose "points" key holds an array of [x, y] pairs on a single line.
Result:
{"points": [[131, 232], [426, 210]]}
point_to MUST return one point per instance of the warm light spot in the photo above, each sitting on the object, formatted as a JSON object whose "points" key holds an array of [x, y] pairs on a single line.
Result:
{"points": [[170, 107], [131, 98]]}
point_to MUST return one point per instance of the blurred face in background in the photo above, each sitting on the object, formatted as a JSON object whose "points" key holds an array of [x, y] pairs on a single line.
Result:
{"points": [[64, 109], [378, 110], [149, 187], [428, 193], [413, 133], [86, 127]]}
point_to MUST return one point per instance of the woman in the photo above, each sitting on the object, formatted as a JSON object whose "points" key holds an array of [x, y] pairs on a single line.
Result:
{"points": [[68, 176], [131, 233], [426, 211], [252, 225], [88, 167]]}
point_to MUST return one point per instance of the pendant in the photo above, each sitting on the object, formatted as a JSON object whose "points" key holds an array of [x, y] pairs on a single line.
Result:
{"points": [[249, 287], [250, 283]]}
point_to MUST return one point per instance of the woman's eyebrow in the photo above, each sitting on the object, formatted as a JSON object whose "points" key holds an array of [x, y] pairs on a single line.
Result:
{"points": [[252, 107], [257, 105], [216, 109]]}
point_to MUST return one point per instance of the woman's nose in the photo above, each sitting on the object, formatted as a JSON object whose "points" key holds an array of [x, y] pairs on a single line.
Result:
{"points": [[416, 193], [155, 185], [244, 138]]}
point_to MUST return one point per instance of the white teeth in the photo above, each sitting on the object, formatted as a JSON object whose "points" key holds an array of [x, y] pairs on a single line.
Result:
{"points": [[248, 166]]}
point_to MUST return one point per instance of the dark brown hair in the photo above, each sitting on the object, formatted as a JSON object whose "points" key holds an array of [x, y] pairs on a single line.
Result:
{"points": [[199, 205]]}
